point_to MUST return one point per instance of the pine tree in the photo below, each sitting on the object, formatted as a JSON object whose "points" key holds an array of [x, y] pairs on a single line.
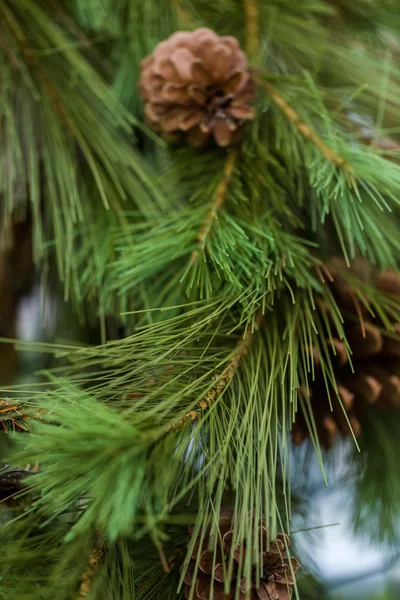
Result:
{"points": [[212, 188]]}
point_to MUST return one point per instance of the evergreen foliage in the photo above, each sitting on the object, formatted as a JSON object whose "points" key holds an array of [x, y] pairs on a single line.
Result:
{"points": [[211, 260]]}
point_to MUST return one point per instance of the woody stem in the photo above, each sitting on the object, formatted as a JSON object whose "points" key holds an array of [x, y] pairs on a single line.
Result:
{"points": [[304, 129], [217, 204], [222, 379]]}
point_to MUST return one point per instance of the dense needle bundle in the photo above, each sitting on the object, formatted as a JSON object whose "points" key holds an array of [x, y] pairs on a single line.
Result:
{"points": [[197, 263]]}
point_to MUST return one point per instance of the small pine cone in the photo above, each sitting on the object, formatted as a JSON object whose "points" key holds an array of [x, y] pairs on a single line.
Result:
{"points": [[277, 570], [197, 85], [374, 355]]}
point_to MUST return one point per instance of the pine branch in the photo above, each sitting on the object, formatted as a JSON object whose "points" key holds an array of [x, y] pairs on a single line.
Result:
{"points": [[217, 204], [305, 130], [223, 379], [88, 576]]}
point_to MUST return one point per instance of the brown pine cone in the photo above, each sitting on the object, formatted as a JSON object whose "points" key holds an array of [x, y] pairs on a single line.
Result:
{"points": [[375, 376], [197, 85], [277, 574]]}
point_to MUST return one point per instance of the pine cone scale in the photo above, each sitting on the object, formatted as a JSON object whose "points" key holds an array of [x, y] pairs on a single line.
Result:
{"points": [[367, 387], [389, 282], [175, 94], [221, 573], [391, 347], [191, 121], [278, 591], [198, 94], [364, 344], [204, 587], [262, 593], [189, 575], [208, 559], [223, 131], [183, 62], [346, 397]]}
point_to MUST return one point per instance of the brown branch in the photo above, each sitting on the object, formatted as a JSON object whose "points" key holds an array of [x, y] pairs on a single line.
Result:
{"points": [[217, 204], [252, 14], [163, 559], [304, 129], [88, 576], [223, 378]]}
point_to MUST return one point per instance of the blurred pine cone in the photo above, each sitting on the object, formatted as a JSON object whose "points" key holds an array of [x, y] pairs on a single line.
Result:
{"points": [[375, 379], [277, 571], [197, 85]]}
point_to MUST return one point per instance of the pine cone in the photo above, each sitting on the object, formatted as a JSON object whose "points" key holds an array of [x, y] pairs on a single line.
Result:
{"points": [[375, 377], [277, 574], [197, 85]]}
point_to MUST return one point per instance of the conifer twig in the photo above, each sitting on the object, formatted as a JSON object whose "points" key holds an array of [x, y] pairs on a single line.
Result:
{"points": [[217, 204], [163, 559], [251, 10], [88, 576], [304, 129], [223, 378]]}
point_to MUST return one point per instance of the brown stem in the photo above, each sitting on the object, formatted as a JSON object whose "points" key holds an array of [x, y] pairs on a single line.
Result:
{"points": [[304, 129], [88, 576], [222, 379], [252, 13], [217, 204], [163, 559]]}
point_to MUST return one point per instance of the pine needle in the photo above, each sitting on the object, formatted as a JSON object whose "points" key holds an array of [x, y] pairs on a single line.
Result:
{"points": [[195, 403]]}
